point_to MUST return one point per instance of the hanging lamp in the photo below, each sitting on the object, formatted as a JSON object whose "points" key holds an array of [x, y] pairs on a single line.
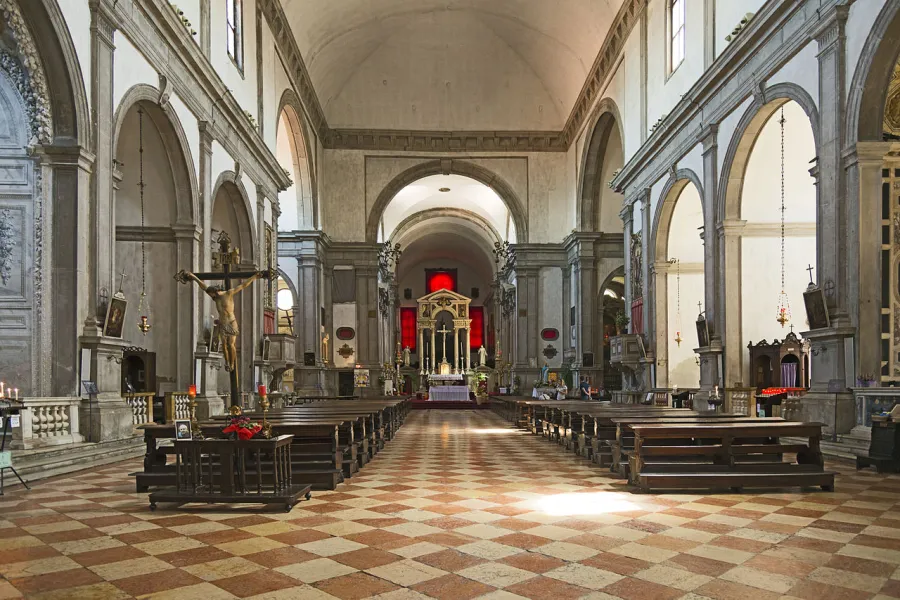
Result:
{"points": [[783, 314], [678, 337], [144, 304]]}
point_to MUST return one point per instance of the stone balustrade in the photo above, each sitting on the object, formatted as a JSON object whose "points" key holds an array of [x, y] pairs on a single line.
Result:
{"points": [[48, 422], [178, 406], [141, 407]]}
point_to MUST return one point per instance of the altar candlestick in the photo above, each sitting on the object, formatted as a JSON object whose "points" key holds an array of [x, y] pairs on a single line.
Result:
{"points": [[192, 391], [262, 390], [17, 393], [1, 388]]}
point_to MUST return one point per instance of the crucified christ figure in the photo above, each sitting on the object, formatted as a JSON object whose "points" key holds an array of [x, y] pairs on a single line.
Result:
{"points": [[224, 300]]}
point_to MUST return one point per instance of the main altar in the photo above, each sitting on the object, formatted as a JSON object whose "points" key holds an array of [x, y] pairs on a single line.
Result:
{"points": [[446, 381]]}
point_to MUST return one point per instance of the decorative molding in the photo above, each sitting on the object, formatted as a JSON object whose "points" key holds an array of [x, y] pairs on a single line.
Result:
{"points": [[438, 141], [26, 71], [7, 245], [135, 233]]}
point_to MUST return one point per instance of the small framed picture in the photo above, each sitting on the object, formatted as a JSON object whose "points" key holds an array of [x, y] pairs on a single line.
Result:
{"points": [[115, 316], [215, 339], [182, 429], [816, 308]]}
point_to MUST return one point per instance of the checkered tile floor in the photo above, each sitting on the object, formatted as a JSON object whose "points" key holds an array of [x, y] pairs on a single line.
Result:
{"points": [[458, 506]]}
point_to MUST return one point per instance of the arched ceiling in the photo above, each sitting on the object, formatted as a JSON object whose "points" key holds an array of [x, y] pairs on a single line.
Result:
{"points": [[463, 194], [432, 243], [449, 64]]}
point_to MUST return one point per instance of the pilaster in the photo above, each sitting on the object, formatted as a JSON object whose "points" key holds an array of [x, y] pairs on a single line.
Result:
{"points": [[100, 263], [729, 234], [709, 138], [627, 215], [646, 219], [205, 184]]}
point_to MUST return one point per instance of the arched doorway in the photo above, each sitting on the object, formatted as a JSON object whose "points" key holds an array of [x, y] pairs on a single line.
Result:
{"points": [[231, 215], [679, 282], [151, 244], [598, 204], [611, 302]]}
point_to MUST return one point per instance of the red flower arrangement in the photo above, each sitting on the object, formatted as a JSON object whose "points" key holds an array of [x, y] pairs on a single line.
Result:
{"points": [[243, 427]]}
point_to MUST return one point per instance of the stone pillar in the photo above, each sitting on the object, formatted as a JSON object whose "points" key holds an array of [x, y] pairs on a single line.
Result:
{"points": [[433, 354], [100, 261], [522, 310], [204, 28], [209, 402], [729, 232], [831, 353], [659, 272], [106, 417], [627, 215], [420, 350], [187, 243], [646, 220], [864, 182], [469, 348], [367, 324], [711, 357], [205, 184]]}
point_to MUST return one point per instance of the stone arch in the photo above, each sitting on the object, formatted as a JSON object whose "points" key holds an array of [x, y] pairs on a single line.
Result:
{"points": [[448, 167], [302, 150], [740, 148], [435, 213], [229, 183], [177, 146], [666, 206], [289, 282], [872, 77], [65, 84], [605, 117]]}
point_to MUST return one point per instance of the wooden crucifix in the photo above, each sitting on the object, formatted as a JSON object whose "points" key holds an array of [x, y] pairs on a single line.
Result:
{"points": [[223, 297]]}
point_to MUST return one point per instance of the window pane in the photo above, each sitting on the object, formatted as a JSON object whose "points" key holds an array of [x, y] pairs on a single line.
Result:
{"points": [[230, 41], [677, 14]]}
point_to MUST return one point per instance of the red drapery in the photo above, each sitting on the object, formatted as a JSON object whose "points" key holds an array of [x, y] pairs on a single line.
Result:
{"points": [[408, 327], [476, 337], [441, 280]]}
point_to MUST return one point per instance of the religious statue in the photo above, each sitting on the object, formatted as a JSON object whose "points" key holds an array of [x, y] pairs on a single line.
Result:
{"points": [[224, 300], [325, 349], [482, 356], [406, 356], [545, 373]]}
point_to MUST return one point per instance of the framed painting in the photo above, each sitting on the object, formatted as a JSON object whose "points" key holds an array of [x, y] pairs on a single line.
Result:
{"points": [[114, 323]]}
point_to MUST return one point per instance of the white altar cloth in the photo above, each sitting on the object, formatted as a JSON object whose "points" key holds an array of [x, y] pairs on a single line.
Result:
{"points": [[455, 393]]}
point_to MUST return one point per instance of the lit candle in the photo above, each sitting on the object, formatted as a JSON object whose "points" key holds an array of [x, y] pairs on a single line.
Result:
{"points": [[716, 391], [1, 388], [192, 390], [262, 390], [17, 393]]}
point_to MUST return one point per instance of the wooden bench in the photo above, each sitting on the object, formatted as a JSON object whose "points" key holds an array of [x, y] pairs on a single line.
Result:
{"points": [[725, 445]]}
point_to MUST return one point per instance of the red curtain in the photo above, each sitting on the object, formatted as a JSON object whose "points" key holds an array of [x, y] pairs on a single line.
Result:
{"points": [[476, 337], [441, 280], [408, 327]]}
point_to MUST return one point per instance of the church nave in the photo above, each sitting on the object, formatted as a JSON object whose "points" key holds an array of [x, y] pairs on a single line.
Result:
{"points": [[459, 505]]}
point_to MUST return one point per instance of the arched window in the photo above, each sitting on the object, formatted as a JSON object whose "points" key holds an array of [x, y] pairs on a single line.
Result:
{"points": [[234, 38], [676, 33]]}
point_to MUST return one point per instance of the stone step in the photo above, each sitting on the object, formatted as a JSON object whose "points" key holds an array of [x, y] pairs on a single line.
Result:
{"points": [[41, 463]]}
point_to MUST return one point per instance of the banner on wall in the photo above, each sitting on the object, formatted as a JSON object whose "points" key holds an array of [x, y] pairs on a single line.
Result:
{"points": [[360, 378]]}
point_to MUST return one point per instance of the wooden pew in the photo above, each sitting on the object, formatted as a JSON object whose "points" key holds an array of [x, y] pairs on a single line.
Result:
{"points": [[726, 444]]}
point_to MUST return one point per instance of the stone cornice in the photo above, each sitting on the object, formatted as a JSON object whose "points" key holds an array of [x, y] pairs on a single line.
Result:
{"points": [[778, 31], [450, 141], [154, 27]]}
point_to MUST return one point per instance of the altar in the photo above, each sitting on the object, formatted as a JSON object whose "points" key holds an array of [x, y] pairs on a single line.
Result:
{"points": [[448, 387]]}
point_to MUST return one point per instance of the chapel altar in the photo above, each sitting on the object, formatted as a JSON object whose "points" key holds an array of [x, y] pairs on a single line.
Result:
{"points": [[446, 380]]}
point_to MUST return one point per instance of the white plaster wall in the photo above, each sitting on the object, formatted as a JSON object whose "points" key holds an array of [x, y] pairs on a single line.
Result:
{"points": [[77, 15], [630, 106], [610, 202], [344, 316], [693, 160], [684, 236], [546, 189], [728, 14], [656, 191], [761, 285], [129, 69], [683, 368], [342, 200], [727, 129], [191, 130], [665, 90], [191, 9], [802, 69], [761, 197], [550, 313], [242, 85]]}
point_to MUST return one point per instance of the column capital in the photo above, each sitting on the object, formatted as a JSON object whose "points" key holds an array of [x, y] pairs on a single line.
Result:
{"points": [[103, 22], [831, 27], [627, 214], [731, 227], [869, 152], [708, 135], [206, 136], [644, 198]]}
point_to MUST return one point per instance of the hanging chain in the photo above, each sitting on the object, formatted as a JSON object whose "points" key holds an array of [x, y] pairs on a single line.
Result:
{"points": [[141, 188], [781, 122]]}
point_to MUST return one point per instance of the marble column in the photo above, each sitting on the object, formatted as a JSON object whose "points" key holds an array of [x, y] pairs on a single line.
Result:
{"points": [[187, 245], [367, 323], [646, 220], [420, 350], [205, 184], [627, 215], [469, 347], [711, 357], [433, 350]]}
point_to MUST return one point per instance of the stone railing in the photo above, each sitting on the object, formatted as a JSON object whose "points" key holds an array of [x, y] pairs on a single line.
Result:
{"points": [[141, 407], [741, 401], [178, 406], [48, 422]]}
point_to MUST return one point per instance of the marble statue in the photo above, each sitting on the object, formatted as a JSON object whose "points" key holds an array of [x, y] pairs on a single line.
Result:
{"points": [[482, 357], [545, 373], [406, 356]]}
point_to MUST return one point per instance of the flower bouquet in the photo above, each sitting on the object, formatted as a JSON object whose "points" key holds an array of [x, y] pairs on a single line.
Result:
{"points": [[242, 428]]}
